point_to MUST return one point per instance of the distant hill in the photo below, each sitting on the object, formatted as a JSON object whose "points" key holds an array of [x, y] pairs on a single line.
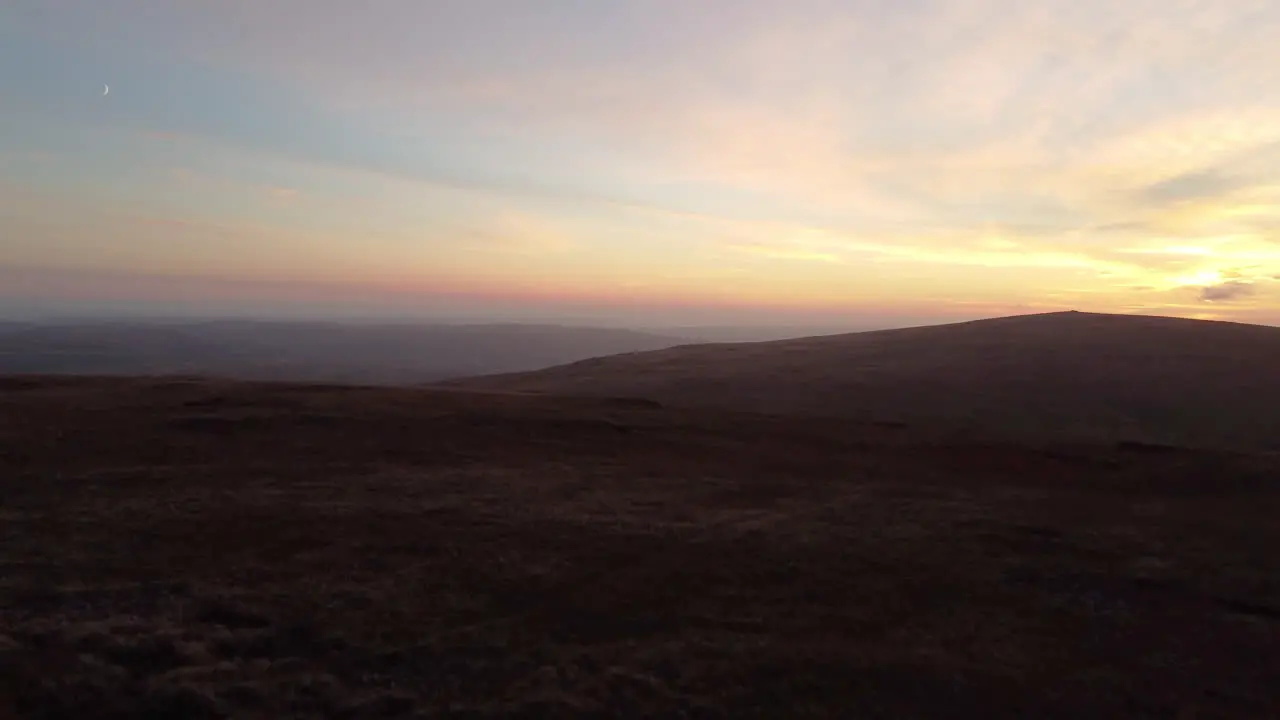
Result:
{"points": [[760, 333], [309, 351], [1150, 379]]}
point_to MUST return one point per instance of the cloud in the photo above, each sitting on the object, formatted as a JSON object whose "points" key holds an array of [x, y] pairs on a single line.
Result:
{"points": [[956, 112], [520, 233], [208, 182], [867, 109], [163, 135], [1227, 291], [281, 195], [1230, 284], [782, 252], [1198, 185]]}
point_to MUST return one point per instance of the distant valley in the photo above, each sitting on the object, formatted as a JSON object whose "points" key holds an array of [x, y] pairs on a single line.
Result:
{"points": [[305, 351]]}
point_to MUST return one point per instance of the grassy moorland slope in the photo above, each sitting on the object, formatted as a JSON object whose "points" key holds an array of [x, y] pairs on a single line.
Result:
{"points": [[185, 548]]}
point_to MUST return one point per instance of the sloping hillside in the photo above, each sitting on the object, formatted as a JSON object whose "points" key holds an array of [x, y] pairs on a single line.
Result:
{"points": [[1152, 379]]}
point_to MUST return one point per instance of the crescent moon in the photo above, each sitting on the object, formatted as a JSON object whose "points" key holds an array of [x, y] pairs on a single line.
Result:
{"points": [[106, 89]]}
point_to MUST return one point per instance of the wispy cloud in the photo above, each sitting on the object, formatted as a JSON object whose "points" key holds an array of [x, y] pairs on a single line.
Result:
{"points": [[281, 195], [1088, 150], [780, 252], [1199, 185], [520, 233]]}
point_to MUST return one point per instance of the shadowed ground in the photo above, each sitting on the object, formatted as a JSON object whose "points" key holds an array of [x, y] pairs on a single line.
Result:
{"points": [[188, 548]]}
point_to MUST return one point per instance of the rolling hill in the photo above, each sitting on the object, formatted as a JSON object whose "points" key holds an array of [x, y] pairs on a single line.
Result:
{"points": [[1084, 375]]}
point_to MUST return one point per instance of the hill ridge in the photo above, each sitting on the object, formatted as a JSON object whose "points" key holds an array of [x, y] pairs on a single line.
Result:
{"points": [[1146, 378]]}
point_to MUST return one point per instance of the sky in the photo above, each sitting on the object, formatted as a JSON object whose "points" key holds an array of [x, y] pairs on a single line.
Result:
{"points": [[641, 162]]}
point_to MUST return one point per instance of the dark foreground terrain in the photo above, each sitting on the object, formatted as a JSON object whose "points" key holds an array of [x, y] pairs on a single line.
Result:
{"points": [[191, 549]]}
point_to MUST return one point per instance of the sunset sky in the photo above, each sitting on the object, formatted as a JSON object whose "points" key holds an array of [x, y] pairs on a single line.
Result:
{"points": [[641, 161]]}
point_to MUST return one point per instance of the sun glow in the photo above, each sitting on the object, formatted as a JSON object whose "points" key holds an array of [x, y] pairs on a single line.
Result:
{"points": [[1200, 278]]}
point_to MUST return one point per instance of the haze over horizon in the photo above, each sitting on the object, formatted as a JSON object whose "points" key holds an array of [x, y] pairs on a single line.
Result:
{"points": [[641, 163]]}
